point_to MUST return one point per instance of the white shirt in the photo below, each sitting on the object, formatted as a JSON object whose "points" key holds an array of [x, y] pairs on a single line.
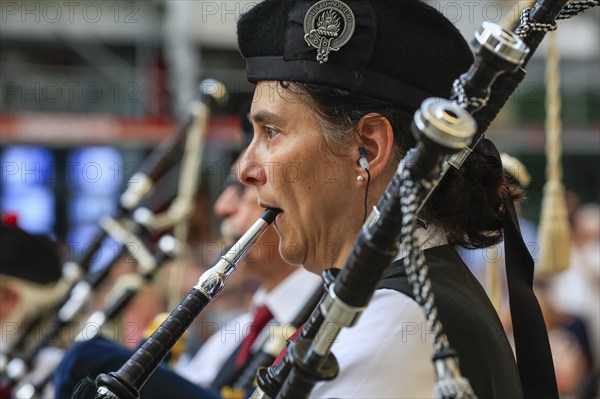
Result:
{"points": [[284, 301], [387, 354]]}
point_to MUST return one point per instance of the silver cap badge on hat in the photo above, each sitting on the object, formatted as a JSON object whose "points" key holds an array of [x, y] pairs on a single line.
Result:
{"points": [[328, 25]]}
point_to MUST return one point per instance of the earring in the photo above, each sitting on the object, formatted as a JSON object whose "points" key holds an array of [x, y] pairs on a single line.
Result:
{"points": [[360, 178]]}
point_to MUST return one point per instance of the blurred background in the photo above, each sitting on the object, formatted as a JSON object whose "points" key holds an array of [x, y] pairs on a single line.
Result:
{"points": [[89, 88]]}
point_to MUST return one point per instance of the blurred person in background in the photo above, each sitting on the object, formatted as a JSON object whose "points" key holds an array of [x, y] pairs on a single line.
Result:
{"points": [[569, 340], [576, 291], [30, 268]]}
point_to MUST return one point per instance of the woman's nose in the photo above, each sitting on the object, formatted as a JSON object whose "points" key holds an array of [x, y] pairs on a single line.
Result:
{"points": [[251, 172]]}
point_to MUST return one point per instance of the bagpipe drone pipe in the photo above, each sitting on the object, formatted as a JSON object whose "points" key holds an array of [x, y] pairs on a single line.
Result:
{"points": [[128, 228], [441, 127]]}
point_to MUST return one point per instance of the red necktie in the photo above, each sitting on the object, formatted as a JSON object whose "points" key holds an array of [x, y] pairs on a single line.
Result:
{"points": [[261, 318]]}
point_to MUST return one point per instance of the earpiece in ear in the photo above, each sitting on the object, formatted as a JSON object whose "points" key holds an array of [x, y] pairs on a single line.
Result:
{"points": [[364, 163], [362, 158]]}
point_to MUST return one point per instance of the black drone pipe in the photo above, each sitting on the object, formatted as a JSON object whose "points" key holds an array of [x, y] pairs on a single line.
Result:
{"points": [[543, 12]]}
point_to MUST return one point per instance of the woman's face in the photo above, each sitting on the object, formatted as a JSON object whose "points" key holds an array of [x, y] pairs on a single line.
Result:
{"points": [[292, 169]]}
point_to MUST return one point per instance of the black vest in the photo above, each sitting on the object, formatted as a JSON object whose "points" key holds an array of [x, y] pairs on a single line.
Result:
{"points": [[470, 322]]}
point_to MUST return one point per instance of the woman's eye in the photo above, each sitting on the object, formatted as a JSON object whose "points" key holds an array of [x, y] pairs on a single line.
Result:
{"points": [[271, 133]]}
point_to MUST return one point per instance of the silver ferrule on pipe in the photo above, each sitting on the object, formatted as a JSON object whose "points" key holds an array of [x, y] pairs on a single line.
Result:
{"points": [[212, 281]]}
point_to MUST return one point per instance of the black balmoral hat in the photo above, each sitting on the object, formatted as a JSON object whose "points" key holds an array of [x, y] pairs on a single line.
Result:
{"points": [[28, 256], [399, 51]]}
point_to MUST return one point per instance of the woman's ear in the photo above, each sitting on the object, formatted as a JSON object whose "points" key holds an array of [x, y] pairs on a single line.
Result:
{"points": [[377, 137]]}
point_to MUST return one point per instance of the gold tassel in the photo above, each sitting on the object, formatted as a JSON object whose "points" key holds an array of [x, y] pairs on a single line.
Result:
{"points": [[554, 230]]}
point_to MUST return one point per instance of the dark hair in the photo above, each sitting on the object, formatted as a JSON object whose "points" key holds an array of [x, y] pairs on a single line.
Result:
{"points": [[468, 203], [338, 113]]}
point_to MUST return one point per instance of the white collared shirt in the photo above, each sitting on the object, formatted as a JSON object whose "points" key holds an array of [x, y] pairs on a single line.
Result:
{"points": [[387, 354], [284, 301]]}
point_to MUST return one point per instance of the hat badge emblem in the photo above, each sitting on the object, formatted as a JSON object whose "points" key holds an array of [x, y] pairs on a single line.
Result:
{"points": [[328, 25]]}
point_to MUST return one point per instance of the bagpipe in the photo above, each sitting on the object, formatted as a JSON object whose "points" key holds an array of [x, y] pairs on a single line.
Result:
{"points": [[131, 228], [446, 132]]}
